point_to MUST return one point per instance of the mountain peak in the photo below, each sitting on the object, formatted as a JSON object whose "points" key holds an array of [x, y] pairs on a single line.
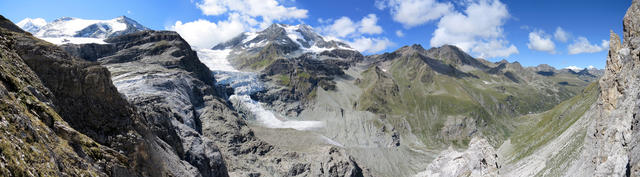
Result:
{"points": [[77, 30], [64, 19], [451, 54], [32, 24], [295, 37]]}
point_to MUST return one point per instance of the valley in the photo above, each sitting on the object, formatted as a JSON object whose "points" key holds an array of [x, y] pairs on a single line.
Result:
{"points": [[83, 97]]}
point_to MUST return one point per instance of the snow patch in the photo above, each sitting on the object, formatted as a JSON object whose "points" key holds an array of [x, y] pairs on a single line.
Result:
{"points": [[73, 40], [573, 68], [250, 36]]}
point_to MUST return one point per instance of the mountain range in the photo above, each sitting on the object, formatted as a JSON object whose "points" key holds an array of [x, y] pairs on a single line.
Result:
{"points": [[114, 98]]}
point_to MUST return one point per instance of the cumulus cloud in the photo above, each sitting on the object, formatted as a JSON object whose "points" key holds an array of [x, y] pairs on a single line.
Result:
{"points": [[494, 48], [243, 15], [561, 35], [412, 13], [582, 45], [399, 33], [369, 25], [478, 29], [344, 26], [205, 34], [268, 10], [358, 34], [370, 45], [539, 41]]}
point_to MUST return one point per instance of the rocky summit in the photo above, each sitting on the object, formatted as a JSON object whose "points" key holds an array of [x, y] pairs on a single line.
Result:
{"points": [[83, 97]]}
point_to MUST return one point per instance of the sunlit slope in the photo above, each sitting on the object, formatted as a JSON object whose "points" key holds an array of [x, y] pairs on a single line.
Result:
{"points": [[446, 101]]}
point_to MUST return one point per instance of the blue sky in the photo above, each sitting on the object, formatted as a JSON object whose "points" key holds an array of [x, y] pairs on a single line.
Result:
{"points": [[494, 29]]}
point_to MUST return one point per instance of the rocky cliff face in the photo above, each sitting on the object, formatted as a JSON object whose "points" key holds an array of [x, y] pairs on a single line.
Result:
{"points": [[480, 159], [64, 117], [615, 134], [36, 140]]}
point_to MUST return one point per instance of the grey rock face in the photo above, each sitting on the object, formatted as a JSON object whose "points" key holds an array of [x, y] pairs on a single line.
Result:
{"points": [[480, 159], [159, 74], [615, 135]]}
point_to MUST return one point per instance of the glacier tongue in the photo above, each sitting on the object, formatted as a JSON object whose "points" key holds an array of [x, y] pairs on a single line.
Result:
{"points": [[244, 84]]}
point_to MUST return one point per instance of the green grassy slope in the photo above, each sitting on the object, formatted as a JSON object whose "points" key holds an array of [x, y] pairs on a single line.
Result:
{"points": [[445, 106], [546, 126]]}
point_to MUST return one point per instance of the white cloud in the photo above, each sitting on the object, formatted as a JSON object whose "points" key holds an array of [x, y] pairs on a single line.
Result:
{"points": [[495, 48], [342, 27], [369, 25], [539, 41], [399, 33], [243, 15], [477, 30], [268, 10], [206, 34], [415, 12], [582, 45], [345, 27], [370, 45], [561, 35], [357, 34]]}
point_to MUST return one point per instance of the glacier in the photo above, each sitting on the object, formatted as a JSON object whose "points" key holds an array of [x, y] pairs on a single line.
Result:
{"points": [[244, 84]]}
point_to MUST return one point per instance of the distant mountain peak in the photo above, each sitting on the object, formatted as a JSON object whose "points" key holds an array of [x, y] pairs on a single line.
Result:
{"points": [[301, 37], [32, 24], [451, 54], [77, 30]]}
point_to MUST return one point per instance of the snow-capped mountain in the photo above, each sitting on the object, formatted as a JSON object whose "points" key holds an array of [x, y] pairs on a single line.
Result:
{"points": [[32, 25], [76, 30], [298, 38]]}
